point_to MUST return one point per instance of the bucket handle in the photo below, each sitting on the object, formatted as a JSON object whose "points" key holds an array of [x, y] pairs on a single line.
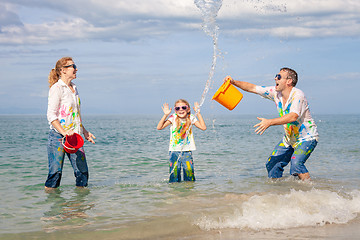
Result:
{"points": [[225, 85], [62, 142]]}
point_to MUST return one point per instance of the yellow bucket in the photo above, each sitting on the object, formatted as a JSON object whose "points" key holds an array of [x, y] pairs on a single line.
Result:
{"points": [[228, 95]]}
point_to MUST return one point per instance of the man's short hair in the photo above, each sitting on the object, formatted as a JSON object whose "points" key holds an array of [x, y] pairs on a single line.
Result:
{"points": [[292, 74]]}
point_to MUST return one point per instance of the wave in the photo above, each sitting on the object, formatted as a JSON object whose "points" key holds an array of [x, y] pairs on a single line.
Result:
{"points": [[295, 209]]}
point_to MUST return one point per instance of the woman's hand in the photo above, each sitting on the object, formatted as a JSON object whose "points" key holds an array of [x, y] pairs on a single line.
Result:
{"points": [[69, 133], [89, 136]]}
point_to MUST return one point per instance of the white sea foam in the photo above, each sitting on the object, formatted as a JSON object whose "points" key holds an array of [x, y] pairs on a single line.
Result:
{"points": [[295, 209]]}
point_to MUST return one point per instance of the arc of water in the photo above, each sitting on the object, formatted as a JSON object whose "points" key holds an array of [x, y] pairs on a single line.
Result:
{"points": [[209, 10]]}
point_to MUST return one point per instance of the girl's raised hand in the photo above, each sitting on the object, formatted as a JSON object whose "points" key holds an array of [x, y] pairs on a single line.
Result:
{"points": [[166, 109], [196, 107]]}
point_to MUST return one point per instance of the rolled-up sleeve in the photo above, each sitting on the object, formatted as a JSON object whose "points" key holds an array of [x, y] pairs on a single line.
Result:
{"points": [[53, 103], [266, 92]]}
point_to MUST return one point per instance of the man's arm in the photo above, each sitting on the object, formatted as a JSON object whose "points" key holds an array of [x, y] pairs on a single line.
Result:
{"points": [[265, 123], [246, 86]]}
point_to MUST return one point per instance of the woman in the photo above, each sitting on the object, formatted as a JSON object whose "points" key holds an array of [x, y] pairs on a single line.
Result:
{"points": [[64, 118]]}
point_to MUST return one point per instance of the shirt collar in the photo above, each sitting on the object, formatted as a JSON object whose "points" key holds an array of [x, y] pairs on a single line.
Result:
{"points": [[62, 83]]}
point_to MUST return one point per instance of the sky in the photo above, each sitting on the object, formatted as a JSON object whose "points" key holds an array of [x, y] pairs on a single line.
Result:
{"points": [[133, 56]]}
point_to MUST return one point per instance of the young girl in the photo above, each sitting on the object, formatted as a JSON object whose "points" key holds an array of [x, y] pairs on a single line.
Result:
{"points": [[181, 138]]}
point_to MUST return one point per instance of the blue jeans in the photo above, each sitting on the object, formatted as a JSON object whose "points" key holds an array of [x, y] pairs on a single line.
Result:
{"points": [[56, 155], [180, 160], [281, 156]]}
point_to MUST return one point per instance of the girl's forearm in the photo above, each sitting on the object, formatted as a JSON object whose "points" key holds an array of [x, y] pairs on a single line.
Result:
{"points": [[161, 124], [202, 124]]}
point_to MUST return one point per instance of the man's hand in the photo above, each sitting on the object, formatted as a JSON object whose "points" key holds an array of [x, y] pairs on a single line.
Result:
{"points": [[262, 125]]}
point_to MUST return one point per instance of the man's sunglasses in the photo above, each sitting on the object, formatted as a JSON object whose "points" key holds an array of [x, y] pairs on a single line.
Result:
{"points": [[278, 77], [71, 65], [182, 107]]}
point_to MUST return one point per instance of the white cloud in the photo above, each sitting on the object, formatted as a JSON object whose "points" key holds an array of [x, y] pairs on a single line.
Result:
{"points": [[292, 19], [44, 33], [8, 16], [133, 20]]}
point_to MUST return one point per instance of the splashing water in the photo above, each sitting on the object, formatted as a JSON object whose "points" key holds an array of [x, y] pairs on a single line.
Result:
{"points": [[209, 10]]}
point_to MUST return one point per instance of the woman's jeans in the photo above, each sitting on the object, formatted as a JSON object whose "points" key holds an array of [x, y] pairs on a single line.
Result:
{"points": [[56, 155]]}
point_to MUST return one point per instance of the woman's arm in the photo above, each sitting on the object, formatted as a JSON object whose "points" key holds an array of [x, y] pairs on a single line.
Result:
{"points": [[56, 124], [53, 110]]}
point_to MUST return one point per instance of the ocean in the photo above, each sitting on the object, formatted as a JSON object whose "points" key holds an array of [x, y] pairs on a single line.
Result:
{"points": [[129, 196]]}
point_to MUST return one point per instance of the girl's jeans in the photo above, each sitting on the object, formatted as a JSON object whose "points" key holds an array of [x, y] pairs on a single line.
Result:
{"points": [[56, 155], [178, 160]]}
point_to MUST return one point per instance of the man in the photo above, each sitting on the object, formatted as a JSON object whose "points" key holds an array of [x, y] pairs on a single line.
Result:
{"points": [[301, 134]]}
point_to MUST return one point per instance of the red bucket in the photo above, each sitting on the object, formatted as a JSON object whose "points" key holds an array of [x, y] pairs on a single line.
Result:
{"points": [[72, 143]]}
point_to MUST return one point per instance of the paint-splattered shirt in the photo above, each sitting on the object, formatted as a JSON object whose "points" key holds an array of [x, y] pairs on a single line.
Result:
{"points": [[304, 128], [180, 139], [64, 105]]}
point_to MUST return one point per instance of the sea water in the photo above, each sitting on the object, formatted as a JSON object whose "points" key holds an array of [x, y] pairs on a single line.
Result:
{"points": [[129, 196]]}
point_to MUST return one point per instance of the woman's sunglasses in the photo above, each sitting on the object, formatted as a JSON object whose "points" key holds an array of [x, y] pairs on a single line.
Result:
{"points": [[71, 65], [182, 107]]}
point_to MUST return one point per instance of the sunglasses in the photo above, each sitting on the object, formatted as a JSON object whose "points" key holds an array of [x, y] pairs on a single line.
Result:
{"points": [[71, 65], [182, 107], [278, 77]]}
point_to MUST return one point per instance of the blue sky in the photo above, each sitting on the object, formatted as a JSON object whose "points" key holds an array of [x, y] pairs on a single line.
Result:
{"points": [[135, 55]]}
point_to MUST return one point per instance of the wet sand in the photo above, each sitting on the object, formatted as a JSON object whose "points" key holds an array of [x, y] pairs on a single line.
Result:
{"points": [[180, 227]]}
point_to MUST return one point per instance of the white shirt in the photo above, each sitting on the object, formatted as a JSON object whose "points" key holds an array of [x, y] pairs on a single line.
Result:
{"points": [[304, 128], [64, 105], [178, 141]]}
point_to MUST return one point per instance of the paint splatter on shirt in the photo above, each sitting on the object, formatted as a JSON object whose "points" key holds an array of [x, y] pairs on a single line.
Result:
{"points": [[181, 140], [304, 128], [64, 105]]}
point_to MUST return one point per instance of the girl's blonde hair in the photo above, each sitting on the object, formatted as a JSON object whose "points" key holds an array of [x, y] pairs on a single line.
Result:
{"points": [[182, 129], [55, 73]]}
